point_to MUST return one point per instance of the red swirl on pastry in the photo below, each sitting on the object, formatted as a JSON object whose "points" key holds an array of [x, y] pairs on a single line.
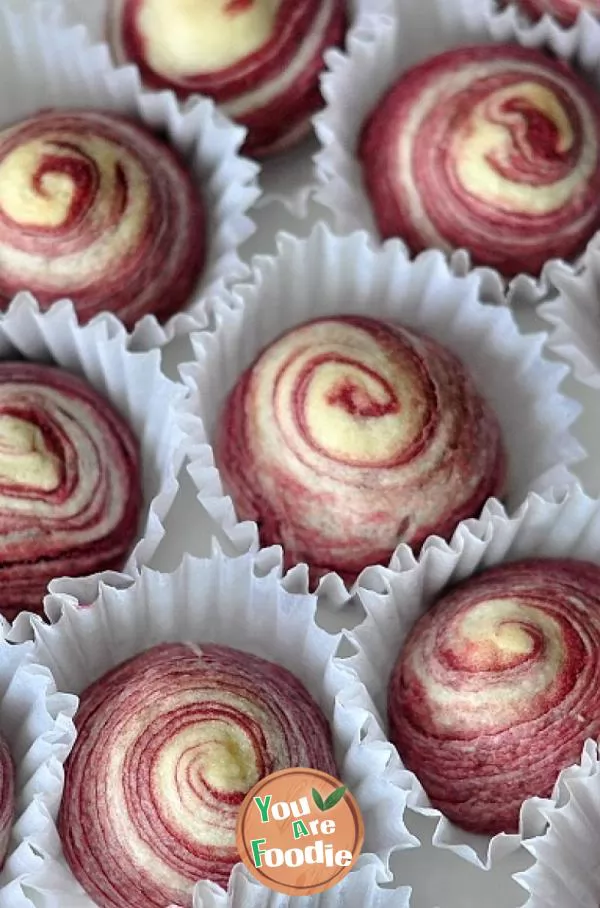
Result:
{"points": [[7, 798], [95, 208], [168, 745], [495, 149], [70, 494], [565, 11], [260, 60], [348, 436], [497, 688]]}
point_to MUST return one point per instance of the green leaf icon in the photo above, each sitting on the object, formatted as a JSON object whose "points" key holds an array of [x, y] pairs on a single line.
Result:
{"points": [[318, 799], [335, 797]]}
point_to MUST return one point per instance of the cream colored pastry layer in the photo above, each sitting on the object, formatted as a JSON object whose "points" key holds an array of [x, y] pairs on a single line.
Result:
{"points": [[184, 37], [480, 137]]}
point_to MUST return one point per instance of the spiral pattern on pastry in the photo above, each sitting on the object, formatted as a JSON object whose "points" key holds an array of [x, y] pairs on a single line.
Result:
{"points": [[168, 745], [565, 12], [495, 149], [7, 798], [497, 688], [95, 208], [70, 493], [260, 60], [348, 436]]}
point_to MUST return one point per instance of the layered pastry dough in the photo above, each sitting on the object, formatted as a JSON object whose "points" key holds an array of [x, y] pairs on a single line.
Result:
{"points": [[495, 149], [70, 486], [497, 688], [95, 208], [348, 436], [168, 745], [260, 60]]}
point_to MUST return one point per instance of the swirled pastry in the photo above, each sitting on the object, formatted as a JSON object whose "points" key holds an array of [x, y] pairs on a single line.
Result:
{"points": [[95, 208], [70, 494], [168, 745], [495, 149], [349, 435], [260, 60], [564, 11], [497, 688], [7, 798]]}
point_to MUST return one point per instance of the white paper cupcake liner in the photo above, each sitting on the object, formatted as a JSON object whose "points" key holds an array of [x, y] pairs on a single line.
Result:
{"points": [[567, 864], [547, 25], [325, 274], [288, 178], [129, 380], [44, 65], [239, 602], [355, 82], [573, 316], [35, 721], [359, 889], [564, 527]]}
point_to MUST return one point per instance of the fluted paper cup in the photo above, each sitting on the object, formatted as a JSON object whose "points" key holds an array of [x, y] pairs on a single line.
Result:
{"points": [[287, 178], [327, 275], [36, 723], [238, 602], [566, 869], [358, 79], [359, 889], [564, 527], [573, 317], [44, 65], [549, 22], [98, 353]]}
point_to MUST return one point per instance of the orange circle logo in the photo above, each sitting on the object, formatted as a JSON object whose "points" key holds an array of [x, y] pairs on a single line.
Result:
{"points": [[299, 831]]}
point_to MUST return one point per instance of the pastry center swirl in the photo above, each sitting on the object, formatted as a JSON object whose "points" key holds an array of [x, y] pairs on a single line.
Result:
{"points": [[96, 209], [47, 184], [344, 400], [486, 658], [212, 756], [204, 36], [515, 145], [346, 409], [26, 458], [72, 190]]}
